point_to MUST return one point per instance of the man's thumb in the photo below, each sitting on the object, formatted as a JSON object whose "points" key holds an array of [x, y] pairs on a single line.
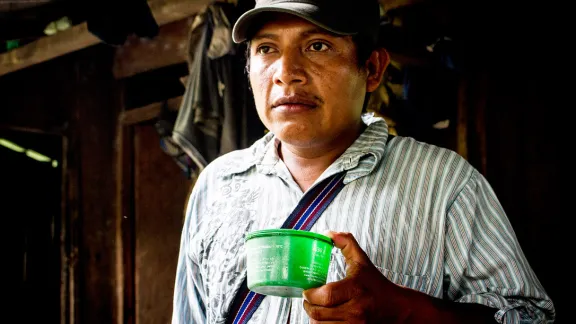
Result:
{"points": [[350, 249]]}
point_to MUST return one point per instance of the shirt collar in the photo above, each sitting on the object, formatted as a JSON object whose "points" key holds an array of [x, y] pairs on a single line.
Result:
{"points": [[368, 148]]}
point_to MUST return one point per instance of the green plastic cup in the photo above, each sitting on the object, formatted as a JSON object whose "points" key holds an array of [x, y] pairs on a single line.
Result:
{"points": [[285, 262]]}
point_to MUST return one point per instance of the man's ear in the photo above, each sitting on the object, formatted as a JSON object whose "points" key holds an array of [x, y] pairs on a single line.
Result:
{"points": [[376, 65]]}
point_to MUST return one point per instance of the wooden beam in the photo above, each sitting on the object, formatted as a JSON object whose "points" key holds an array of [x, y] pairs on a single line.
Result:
{"points": [[78, 36], [141, 55], [149, 112], [47, 48], [8, 6], [167, 11]]}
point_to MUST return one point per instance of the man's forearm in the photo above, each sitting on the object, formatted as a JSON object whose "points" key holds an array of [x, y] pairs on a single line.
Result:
{"points": [[427, 309]]}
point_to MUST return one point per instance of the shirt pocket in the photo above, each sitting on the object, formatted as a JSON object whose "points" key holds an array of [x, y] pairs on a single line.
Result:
{"points": [[415, 282]]}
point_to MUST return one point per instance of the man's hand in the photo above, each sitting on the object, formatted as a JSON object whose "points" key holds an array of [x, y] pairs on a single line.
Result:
{"points": [[364, 296]]}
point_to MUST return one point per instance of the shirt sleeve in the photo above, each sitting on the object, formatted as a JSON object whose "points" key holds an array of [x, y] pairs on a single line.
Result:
{"points": [[484, 263], [189, 298]]}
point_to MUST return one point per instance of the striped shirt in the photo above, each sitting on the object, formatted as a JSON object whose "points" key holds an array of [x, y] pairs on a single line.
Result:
{"points": [[425, 217]]}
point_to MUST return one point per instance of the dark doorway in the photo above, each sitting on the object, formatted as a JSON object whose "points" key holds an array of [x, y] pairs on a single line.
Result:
{"points": [[30, 209]]}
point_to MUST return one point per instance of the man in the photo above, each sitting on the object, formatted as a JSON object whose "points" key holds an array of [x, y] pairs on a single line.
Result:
{"points": [[420, 234]]}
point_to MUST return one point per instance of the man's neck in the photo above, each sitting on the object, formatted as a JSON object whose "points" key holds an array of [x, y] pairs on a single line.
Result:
{"points": [[307, 164]]}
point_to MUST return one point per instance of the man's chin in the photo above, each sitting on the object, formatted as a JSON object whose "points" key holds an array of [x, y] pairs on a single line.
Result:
{"points": [[293, 134]]}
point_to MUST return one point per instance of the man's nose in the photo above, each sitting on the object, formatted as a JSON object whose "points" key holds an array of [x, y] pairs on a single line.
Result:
{"points": [[290, 69]]}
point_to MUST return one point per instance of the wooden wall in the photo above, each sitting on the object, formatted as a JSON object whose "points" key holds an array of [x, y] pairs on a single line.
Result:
{"points": [[160, 194], [125, 197]]}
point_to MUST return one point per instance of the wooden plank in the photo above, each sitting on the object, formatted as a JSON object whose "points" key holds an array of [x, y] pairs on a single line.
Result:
{"points": [[148, 112], [72, 170], [123, 160], [141, 55], [126, 220], [161, 190], [47, 48], [78, 36], [65, 264]]}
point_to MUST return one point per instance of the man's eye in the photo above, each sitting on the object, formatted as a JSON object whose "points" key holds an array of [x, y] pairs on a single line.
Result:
{"points": [[263, 50], [318, 47]]}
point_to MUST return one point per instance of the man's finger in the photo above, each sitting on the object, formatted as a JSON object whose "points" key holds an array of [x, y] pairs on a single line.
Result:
{"points": [[331, 294], [320, 313], [350, 249]]}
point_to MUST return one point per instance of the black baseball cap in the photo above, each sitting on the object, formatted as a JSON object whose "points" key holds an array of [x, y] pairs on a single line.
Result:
{"points": [[342, 17]]}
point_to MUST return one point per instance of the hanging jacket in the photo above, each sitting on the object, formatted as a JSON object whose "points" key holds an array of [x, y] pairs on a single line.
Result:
{"points": [[217, 114]]}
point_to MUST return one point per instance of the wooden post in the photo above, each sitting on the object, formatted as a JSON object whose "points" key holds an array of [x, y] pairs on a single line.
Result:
{"points": [[126, 221], [93, 124], [64, 241], [160, 196]]}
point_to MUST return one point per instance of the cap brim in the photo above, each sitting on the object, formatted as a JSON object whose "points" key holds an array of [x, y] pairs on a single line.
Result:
{"points": [[303, 10]]}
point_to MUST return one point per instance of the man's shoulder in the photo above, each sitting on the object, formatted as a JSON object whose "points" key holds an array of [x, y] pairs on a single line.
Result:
{"points": [[410, 147], [440, 167], [410, 151], [239, 160]]}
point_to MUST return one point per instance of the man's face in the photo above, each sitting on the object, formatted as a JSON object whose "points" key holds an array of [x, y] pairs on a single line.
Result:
{"points": [[308, 87]]}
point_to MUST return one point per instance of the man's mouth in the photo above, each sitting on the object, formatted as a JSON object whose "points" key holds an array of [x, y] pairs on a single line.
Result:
{"points": [[294, 103]]}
